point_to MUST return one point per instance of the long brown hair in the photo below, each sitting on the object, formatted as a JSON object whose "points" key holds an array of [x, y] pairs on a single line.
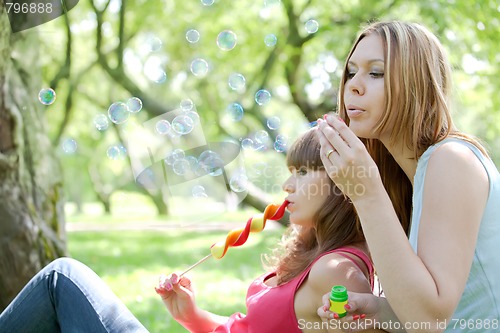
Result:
{"points": [[418, 87], [335, 224]]}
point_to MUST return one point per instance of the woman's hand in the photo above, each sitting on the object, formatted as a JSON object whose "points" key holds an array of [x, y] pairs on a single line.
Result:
{"points": [[178, 296], [346, 159], [363, 311]]}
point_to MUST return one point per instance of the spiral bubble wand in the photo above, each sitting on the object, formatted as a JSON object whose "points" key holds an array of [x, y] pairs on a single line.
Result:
{"points": [[239, 236]]}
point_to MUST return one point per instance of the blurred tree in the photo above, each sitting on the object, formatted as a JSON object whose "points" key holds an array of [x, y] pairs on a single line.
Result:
{"points": [[140, 48], [32, 229]]}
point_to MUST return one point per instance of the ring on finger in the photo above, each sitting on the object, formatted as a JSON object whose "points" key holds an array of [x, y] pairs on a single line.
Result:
{"points": [[329, 153]]}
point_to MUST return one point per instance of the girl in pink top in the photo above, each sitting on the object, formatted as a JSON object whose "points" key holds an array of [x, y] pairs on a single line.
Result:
{"points": [[324, 246]]}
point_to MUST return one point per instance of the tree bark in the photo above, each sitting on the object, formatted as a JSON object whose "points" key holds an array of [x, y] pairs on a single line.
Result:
{"points": [[31, 208]]}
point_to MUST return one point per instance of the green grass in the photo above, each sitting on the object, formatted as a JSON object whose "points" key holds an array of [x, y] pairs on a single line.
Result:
{"points": [[130, 263]]}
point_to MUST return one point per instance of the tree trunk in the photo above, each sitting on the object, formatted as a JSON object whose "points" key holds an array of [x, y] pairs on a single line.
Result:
{"points": [[31, 209]]}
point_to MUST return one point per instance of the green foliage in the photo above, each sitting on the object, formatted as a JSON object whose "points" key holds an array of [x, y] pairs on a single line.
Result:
{"points": [[108, 55], [131, 262]]}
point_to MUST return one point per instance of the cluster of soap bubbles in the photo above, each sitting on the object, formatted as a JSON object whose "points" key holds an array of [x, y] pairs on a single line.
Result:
{"points": [[261, 140], [116, 152], [209, 163], [119, 112], [182, 124]]}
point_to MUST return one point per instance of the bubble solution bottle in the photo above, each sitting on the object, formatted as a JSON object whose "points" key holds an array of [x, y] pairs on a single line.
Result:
{"points": [[338, 298]]}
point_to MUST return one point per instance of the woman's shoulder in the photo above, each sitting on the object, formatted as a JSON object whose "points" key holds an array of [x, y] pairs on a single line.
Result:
{"points": [[334, 269], [458, 157]]}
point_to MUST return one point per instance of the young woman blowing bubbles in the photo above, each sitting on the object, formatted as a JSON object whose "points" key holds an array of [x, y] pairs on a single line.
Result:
{"points": [[324, 247], [395, 152]]}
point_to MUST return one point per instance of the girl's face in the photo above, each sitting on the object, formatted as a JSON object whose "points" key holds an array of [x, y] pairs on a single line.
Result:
{"points": [[364, 89], [307, 191]]}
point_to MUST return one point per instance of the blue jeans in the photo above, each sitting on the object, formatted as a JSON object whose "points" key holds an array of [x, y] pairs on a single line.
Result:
{"points": [[67, 296]]}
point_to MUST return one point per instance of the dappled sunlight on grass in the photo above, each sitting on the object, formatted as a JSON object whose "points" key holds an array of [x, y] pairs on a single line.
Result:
{"points": [[130, 262]]}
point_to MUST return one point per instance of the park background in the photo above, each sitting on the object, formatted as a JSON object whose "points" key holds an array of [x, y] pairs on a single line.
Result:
{"points": [[112, 195]]}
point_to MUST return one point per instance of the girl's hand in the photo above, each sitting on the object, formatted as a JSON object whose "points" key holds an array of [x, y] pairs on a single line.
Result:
{"points": [[362, 311], [178, 296], [346, 159]]}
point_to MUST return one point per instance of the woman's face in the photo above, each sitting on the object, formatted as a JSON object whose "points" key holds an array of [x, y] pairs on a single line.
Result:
{"points": [[364, 89], [307, 191]]}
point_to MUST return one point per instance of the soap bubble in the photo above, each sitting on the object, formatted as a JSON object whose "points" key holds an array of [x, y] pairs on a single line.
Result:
{"points": [[280, 144], [116, 152], [194, 117], [246, 143], [236, 81], [281, 138], [178, 154], [199, 67], [312, 26], [101, 122], [273, 122], [69, 146], [47, 96], [182, 124], [235, 111], [134, 104], [238, 183], [226, 40], [118, 112], [193, 162], [270, 40], [210, 162], [198, 191], [162, 127], [180, 166], [207, 2], [192, 36], [261, 136], [170, 159], [186, 105], [154, 43], [159, 76], [262, 97]]}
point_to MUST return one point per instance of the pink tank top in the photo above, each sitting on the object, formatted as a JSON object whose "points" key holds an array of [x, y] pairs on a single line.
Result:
{"points": [[271, 310]]}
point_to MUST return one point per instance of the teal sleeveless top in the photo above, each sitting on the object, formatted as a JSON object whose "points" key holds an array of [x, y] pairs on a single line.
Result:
{"points": [[479, 307]]}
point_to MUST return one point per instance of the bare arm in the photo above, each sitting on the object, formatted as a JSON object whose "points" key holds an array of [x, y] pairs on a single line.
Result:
{"points": [[426, 287], [330, 270]]}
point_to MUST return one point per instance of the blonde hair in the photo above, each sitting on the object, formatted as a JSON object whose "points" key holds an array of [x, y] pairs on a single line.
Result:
{"points": [[418, 87], [335, 224]]}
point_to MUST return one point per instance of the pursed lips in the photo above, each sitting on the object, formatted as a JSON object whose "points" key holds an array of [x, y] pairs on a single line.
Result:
{"points": [[354, 110]]}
